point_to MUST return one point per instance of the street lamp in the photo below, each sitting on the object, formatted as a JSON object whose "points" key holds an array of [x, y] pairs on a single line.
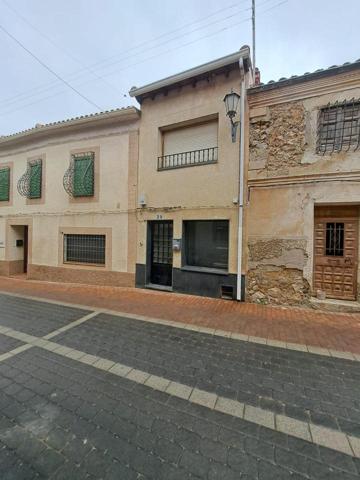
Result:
{"points": [[231, 101]]}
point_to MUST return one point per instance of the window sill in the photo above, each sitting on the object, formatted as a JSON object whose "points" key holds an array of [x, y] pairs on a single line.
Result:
{"points": [[83, 264], [215, 271], [83, 196]]}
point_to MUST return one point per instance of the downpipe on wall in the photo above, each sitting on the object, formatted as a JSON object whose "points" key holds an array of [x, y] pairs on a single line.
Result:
{"points": [[241, 179]]}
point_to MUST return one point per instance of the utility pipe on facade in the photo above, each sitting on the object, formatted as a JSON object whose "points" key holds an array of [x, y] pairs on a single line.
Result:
{"points": [[241, 178]]}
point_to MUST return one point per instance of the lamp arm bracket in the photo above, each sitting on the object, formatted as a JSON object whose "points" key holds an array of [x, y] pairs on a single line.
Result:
{"points": [[234, 126]]}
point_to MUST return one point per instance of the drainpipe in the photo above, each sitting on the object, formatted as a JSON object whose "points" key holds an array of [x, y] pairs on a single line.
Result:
{"points": [[241, 179]]}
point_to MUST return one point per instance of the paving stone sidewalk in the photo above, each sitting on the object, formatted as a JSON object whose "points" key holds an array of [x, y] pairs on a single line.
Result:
{"points": [[305, 326]]}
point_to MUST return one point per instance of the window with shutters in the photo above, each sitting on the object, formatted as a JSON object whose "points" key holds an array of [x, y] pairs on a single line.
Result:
{"points": [[4, 184], [35, 179], [30, 184], [83, 175], [189, 146]]}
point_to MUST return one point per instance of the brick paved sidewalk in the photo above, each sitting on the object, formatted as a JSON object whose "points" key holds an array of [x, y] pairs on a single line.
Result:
{"points": [[328, 330]]}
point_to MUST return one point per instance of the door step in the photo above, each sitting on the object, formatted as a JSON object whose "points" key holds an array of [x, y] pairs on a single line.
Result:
{"points": [[154, 286], [333, 305]]}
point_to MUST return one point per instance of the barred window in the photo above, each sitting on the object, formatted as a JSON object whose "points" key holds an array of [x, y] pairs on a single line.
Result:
{"points": [[78, 179], [334, 239], [29, 184], [84, 248], [339, 127]]}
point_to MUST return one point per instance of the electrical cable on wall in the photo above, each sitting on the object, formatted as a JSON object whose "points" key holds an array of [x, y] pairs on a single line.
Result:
{"points": [[146, 59]]}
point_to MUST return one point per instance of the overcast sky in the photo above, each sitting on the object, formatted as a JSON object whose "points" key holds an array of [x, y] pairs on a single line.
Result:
{"points": [[104, 47]]}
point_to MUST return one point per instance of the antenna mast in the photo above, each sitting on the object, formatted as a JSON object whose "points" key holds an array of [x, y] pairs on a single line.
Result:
{"points": [[253, 35]]}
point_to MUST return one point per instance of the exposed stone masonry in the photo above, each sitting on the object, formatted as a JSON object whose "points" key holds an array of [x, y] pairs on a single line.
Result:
{"points": [[260, 250], [277, 285], [279, 138], [276, 271]]}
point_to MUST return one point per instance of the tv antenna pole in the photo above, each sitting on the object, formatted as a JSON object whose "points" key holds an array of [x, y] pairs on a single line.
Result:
{"points": [[253, 35]]}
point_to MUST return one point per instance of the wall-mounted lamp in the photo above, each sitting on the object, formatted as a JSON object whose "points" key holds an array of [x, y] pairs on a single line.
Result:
{"points": [[142, 200], [231, 101]]}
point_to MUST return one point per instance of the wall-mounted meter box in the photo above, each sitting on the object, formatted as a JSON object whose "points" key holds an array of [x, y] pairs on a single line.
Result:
{"points": [[20, 242], [176, 244]]}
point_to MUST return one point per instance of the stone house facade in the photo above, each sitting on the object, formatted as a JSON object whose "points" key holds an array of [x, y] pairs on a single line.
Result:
{"points": [[68, 200], [302, 213]]}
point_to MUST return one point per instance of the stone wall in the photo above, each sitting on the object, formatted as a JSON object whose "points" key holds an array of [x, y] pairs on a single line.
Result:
{"points": [[275, 272], [277, 140]]}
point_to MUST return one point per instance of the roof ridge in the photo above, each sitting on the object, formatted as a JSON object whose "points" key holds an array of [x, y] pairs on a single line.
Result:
{"points": [[319, 70]]}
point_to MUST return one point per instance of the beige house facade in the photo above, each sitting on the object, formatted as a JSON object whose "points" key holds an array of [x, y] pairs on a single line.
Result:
{"points": [[302, 211], [188, 183], [68, 200], [167, 198]]}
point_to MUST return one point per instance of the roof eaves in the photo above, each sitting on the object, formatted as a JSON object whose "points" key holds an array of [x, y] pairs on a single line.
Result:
{"points": [[191, 73], [307, 76], [67, 123]]}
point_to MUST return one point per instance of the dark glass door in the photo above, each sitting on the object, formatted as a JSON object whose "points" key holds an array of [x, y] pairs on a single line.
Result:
{"points": [[161, 252]]}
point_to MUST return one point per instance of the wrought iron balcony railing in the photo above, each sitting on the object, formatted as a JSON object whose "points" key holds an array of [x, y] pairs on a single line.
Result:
{"points": [[188, 159]]}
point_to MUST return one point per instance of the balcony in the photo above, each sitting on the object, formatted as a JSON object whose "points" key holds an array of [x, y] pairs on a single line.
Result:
{"points": [[188, 159]]}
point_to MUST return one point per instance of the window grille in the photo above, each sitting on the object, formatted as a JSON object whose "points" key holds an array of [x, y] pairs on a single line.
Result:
{"points": [[334, 246], [79, 178], [88, 249], [4, 184], [162, 233], [29, 184], [339, 127]]}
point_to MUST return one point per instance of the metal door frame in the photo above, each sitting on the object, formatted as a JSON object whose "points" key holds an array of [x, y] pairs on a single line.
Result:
{"points": [[149, 253]]}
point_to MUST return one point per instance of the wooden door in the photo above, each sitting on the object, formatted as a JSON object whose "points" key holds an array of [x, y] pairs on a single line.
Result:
{"points": [[336, 256]]}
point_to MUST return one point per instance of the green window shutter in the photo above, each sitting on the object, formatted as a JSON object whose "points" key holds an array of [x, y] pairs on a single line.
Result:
{"points": [[35, 180], [4, 184], [84, 176]]}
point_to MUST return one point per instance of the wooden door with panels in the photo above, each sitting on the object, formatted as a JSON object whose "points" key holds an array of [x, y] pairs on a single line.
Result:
{"points": [[336, 238]]}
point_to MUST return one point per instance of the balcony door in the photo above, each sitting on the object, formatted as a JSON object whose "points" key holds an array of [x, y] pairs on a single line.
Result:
{"points": [[161, 258]]}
